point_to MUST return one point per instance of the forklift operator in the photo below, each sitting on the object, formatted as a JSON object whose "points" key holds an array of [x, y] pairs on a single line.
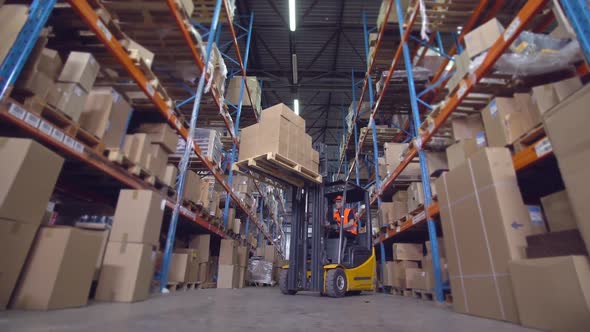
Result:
{"points": [[350, 225]]}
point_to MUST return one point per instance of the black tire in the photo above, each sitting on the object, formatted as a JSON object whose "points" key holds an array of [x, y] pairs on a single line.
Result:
{"points": [[354, 292], [336, 283], [283, 275]]}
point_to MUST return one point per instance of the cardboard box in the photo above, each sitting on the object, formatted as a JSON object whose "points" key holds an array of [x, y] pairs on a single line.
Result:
{"points": [[393, 16], [483, 37], [388, 274], [441, 247], [269, 253], [106, 114], [80, 68], [162, 134], [127, 272], [13, 18], [243, 254], [547, 96], [524, 102], [203, 272], [437, 162], [136, 148], [103, 247], [228, 252], [237, 226], [227, 276], [505, 122], [35, 82], [28, 176], [415, 196], [422, 280], [482, 214], [233, 91], [399, 272], [15, 241], [58, 272], [566, 127], [202, 244], [69, 98], [157, 162], [552, 294], [241, 283], [407, 251], [97, 112], [385, 214], [272, 114], [192, 187], [411, 277], [466, 127], [184, 266], [50, 63], [558, 211], [427, 266], [458, 153], [170, 174], [138, 217]]}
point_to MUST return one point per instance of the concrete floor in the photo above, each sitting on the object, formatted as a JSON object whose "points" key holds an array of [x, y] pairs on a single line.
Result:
{"points": [[258, 309]]}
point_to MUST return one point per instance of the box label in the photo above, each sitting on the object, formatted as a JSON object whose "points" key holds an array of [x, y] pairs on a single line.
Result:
{"points": [[480, 139], [17, 111], [462, 89], [150, 89], [536, 215], [77, 91], [493, 108], [32, 119], [543, 147]]}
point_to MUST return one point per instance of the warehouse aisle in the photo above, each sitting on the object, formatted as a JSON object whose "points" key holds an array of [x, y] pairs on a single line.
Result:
{"points": [[262, 309]]}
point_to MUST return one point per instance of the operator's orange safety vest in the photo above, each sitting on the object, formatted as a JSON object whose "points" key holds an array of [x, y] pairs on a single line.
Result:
{"points": [[346, 214]]}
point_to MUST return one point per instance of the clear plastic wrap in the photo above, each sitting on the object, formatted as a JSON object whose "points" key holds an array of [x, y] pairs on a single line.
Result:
{"points": [[260, 271], [535, 54]]}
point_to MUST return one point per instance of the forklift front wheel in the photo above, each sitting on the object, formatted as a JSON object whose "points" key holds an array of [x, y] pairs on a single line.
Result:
{"points": [[283, 275], [336, 283]]}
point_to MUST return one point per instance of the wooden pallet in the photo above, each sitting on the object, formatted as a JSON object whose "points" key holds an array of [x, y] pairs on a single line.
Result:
{"points": [[530, 138], [401, 291], [207, 285], [423, 294], [417, 210], [64, 122], [261, 284], [181, 286], [281, 168]]}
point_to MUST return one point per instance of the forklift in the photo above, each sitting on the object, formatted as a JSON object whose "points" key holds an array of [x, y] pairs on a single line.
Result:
{"points": [[325, 260]]}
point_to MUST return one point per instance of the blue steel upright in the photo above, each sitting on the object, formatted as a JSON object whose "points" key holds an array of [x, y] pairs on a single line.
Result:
{"points": [[578, 12], [237, 122], [375, 145], [438, 287], [17, 56], [183, 166]]}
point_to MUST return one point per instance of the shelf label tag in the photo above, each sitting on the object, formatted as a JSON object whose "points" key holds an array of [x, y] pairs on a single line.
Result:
{"points": [[57, 134], [543, 147], [32, 119], [163, 205], [462, 89], [45, 128], [398, 229], [70, 142], [418, 141], [414, 221], [104, 30], [511, 29], [150, 89], [79, 147], [17, 111], [420, 216]]}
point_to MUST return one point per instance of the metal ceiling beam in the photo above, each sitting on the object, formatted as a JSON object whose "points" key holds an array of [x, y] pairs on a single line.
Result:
{"points": [[270, 53], [308, 10], [322, 49], [273, 5], [350, 43]]}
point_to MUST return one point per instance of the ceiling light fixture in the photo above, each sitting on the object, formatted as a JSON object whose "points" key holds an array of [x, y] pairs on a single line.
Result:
{"points": [[294, 61], [292, 23], [296, 106]]}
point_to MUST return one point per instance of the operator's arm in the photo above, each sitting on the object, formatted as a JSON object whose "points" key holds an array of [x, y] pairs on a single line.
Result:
{"points": [[350, 224]]}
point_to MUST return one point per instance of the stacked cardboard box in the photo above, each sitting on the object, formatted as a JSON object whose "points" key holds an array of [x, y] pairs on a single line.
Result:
{"points": [[202, 243], [29, 173], [228, 273], [280, 131], [425, 279], [558, 212], [506, 119], [483, 37], [482, 214], [39, 73], [184, 266], [467, 127], [462, 63], [162, 140], [393, 15], [415, 196], [59, 270], [106, 115], [170, 174], [243, 255], [394, 153], [136, 148], [405, 264], [128, 264], [458, 153], [13, 18], [566, 126]]}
